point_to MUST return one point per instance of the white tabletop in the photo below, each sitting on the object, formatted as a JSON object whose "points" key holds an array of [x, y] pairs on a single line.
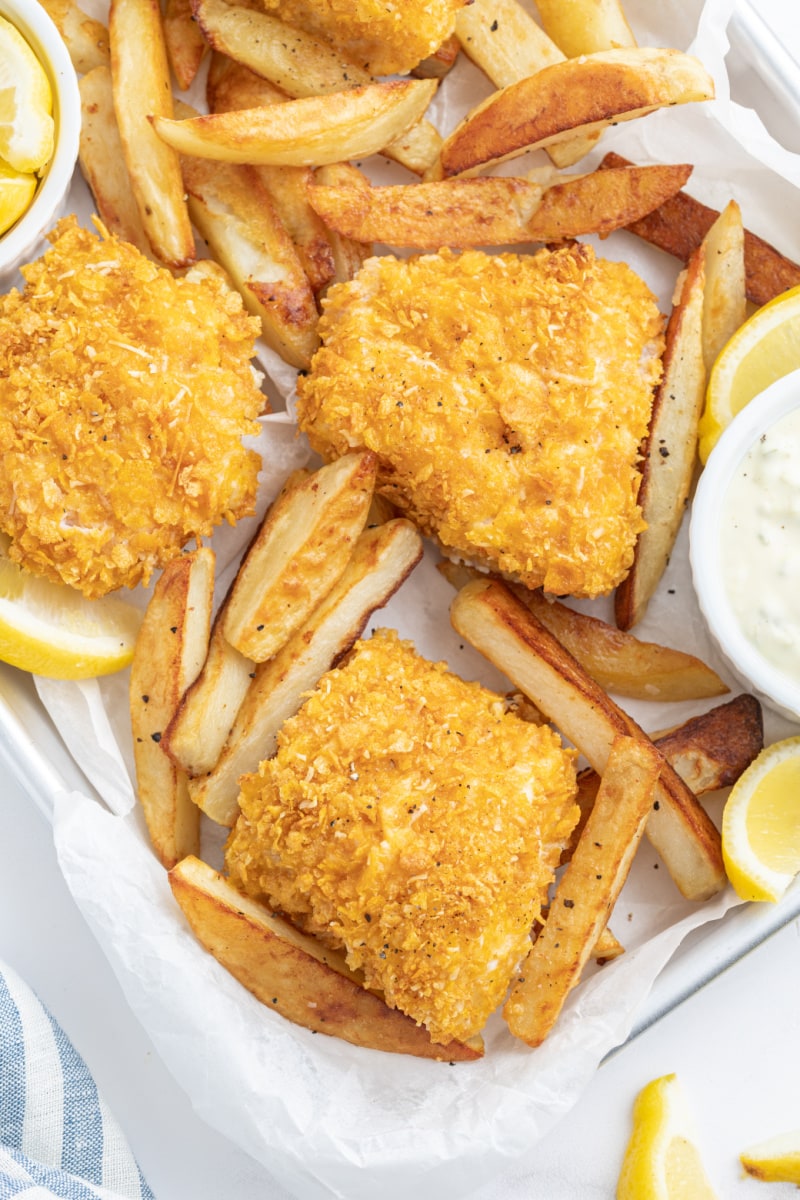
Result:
{"points": [[735, 1045]]}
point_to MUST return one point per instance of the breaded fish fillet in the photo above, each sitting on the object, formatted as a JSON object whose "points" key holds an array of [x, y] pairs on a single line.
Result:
{"points": [[385, 39], [410, 819], [124, 397], [506, 397]]}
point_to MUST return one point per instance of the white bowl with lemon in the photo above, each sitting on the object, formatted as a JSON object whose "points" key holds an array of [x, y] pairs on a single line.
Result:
{"points": [[39, 130]]}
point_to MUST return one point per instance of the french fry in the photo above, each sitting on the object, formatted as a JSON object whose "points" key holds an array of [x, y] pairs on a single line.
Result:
{"points": [[141, 87], [382, 558], [679, 225], [170, 651], [616, 660], [724, 299], [577, 96], [85, 38], [349, 254], [233, 211], [607, 947], [670, 451], [292, 973], [585, 26], [441, 62], [490, 617], [183, 38], [102, 163], [493, 211], [307, 132], [587, 890], [298, 554]]}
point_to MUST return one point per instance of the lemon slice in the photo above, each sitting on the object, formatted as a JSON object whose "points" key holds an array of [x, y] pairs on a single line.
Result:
{"points": [[764, 349], [51, 629], [661, 1161], [775, 1161], [16, 192], [761, 824], [26, 104]]}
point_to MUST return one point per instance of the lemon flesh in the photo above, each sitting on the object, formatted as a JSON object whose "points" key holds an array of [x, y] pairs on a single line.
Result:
{"points": [[27, 129], [776, 1160], [761, 824], [661, 1160], [17, 189], [764, 349], [51, 629]]}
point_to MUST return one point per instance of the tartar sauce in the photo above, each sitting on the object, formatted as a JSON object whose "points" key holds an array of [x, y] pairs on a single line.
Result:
{"points": [[761, 544]]}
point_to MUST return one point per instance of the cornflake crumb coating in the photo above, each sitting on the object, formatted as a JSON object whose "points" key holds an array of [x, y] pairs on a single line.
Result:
{"points": [[506, 397], [383, 38], [124, 397], [408, 818]]}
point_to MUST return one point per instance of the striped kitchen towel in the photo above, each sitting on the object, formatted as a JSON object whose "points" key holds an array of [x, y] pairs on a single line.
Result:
{"points": [[57, 1138]]}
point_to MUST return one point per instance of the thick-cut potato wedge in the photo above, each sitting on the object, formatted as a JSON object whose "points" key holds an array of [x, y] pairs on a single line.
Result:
{"points": [[441, 62], [679, 225], [169, 653], [292, 973], [233, 211], [298, 554], [489, 616], [381, 560], [616, 660], [577, 96], [585, 26], [724, 299], [670, 451], [102, 163], [230, 86], [349, 254], [142, 89], [184, 40], [587, 890], [307, 132], [85, 38], [709, 752], [494, 211]]}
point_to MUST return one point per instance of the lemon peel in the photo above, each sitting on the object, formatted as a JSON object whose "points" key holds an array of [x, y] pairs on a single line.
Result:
{"points": [[27, 129], [661, 1160], [776, 1160], [761, 824], [765, 348]]}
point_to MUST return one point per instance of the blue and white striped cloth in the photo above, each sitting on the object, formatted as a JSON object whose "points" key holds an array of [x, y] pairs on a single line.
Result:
{"points": [[57, 1138]]}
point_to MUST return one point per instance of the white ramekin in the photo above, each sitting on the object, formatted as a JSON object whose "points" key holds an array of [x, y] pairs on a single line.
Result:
{"points": [[754, 671], [23, 241]]}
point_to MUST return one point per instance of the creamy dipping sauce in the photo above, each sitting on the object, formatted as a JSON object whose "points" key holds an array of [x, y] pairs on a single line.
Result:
{"points": [[760, 532]]}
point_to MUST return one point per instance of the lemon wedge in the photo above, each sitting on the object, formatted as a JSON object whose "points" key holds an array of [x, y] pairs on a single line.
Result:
{"points": [[775, 1161], [661, 1161], [17, 189], [51, 629], [761, 824], [27, 129], [764, 349]]}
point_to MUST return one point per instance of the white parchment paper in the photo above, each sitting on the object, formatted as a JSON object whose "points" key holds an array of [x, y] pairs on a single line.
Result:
{"points": [[326, 1118]]}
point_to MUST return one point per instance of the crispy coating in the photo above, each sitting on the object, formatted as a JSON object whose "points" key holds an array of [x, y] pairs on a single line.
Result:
{"points": [[385, 39], [506, 397], [409, 818], [125, 395]]}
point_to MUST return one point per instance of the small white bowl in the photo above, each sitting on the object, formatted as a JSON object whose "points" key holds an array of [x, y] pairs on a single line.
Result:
{"points": [[22, 242], [756, 673]]}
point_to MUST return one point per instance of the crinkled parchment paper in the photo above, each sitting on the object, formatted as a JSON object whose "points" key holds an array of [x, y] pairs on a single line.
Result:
{"points": [[326, 1118]]}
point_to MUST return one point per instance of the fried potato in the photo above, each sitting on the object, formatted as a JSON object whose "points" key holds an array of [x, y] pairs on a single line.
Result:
{"points": [[184, 41], [670, 451], [85, 38], [382, 558], [306, 132], [724, 299], [169, 653], [587, 890], [233, 211], [441, 62], [577, 96], [102, 163], [490, 617], [585, 26], [294, 974], [679, 225], [493, 211], [349, 254], [616, 660], [141, 87], [607, 946]]}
